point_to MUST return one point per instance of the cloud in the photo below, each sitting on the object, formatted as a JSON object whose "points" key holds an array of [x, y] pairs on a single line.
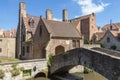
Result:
{"points": [[88, 7], [57, 19]]}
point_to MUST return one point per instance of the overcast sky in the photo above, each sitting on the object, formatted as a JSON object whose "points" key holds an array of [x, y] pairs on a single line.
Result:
{"points": [[104, 9]]}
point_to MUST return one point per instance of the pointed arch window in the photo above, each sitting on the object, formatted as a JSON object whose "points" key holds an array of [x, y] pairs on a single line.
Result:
{"points": [[40, 30]]}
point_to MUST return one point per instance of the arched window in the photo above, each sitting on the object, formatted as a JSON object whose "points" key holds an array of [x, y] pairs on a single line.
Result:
{"points": [[31, 22], [59, 49], [44, 53], [74, 43], [108, 40], [77, 43]]}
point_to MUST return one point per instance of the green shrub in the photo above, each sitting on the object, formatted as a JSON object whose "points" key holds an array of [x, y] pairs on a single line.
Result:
{"points": [[2, 73], [22, 69], [15, 72], [113, 47], [14, 66], [102, 46], [87, 70], [49, 60], [86, 41]]}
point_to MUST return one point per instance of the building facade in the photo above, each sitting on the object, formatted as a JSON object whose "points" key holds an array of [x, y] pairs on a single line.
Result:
{"points": [[86, 25], [111, 40], [39, 37]]}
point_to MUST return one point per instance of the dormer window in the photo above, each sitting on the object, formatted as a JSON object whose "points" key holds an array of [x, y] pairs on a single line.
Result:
{"points": [[31, 22]]}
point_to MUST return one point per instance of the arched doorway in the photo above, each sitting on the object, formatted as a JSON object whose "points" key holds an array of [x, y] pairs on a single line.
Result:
{"points": [[59, 49]]}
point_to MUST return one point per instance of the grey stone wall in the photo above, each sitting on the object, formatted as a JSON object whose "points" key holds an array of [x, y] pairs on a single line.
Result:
{"points": [[105, 64]]}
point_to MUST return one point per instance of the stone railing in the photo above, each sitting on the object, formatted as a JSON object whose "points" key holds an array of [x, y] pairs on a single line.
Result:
{"points": [[35, 66]]}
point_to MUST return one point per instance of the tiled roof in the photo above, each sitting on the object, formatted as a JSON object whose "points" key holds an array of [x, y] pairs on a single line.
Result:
{"points": [[61, 29], [99, 35], [115, 26], [115, 33], [7, 34]]}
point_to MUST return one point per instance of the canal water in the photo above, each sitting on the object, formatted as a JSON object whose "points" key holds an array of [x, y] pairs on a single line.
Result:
{"points": [[89, 76]]}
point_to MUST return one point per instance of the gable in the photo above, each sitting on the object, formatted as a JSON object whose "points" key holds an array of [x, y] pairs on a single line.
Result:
{"points": [[41, 34], [108, 34]]}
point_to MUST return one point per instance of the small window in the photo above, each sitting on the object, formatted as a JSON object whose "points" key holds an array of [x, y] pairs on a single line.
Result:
{"points": [[108, 39], [28, 49], [23, 51], [74, 43], [23, 38], [0, 49], [78, 44], [40, 30]]}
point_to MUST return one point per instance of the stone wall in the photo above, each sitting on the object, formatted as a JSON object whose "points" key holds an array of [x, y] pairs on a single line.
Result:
{"points": [[7, 46], [90, 45], [103, 63], [53, 43], [39, 64]]}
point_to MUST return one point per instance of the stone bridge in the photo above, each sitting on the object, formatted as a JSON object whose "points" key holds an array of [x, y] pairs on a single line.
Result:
{"points": [[105, 62], [35, 67]]}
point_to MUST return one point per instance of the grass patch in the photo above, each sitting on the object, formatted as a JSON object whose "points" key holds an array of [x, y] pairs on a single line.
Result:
{"points": [[4, 60], [87, 70]]}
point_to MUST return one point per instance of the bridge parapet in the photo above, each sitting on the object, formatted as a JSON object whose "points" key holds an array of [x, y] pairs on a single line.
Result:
{"points": [[105, 64], [35, 66]]}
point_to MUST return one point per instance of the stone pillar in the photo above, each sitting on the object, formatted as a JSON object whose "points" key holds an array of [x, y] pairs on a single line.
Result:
{"points": [[22, 9], [65, 15], [49, 15]]}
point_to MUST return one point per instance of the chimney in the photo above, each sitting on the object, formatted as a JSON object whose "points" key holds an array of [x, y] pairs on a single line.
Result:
{"points": [[65, 15], [49, 15], [110, 24], [22, 9]]}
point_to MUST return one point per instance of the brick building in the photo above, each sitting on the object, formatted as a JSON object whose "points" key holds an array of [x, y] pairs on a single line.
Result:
{"points": [[38, 37], [86, 25]]}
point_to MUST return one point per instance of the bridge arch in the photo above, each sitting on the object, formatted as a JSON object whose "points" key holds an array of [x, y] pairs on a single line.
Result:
{"points": [[40, 74], [59, 49], [104, 64]]}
